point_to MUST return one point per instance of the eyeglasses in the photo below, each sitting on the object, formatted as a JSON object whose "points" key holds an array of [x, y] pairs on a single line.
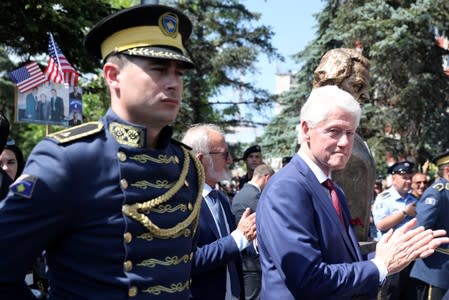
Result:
{"points": [[421, 182], [224, 154]]}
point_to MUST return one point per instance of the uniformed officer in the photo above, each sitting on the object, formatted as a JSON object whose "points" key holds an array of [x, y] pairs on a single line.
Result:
{"points": [[392, 209], [252, 158], [114, 203], [432, 212]]}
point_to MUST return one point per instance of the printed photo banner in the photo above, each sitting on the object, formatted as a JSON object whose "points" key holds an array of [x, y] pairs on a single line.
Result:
{"points": [[50, 104]]}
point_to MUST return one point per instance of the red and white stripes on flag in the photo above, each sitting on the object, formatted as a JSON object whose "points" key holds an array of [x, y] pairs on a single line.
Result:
{"points": [[27, 77], [59, 69]]}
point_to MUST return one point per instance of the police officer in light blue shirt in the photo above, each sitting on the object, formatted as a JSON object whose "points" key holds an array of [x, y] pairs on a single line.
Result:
{"points": [[115, 203], [392, 209]]}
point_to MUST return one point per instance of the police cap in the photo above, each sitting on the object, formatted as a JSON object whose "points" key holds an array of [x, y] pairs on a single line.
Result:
{"points": [[252, 149], [441, 159], [154, 31], [401, 167]]}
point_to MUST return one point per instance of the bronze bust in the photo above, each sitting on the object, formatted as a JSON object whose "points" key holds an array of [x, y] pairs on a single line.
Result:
{"points": [[349, 70]]}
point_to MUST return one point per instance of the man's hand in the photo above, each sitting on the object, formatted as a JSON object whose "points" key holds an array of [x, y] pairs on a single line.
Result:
{"points": [[247, 224], [397, 249], [410, 209]]}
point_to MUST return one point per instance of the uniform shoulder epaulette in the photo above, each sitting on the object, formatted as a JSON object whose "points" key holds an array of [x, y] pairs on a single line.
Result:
{"points": [[438, 186], [76, 132], [181, 144], [385, 194]]}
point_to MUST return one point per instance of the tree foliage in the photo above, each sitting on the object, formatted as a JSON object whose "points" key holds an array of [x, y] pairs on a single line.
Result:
{"points": [[24, 37], [224, 45], [409, 89]]}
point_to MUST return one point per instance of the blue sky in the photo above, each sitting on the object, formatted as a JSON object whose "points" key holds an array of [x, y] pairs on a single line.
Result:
{"points": [[293, 25]]}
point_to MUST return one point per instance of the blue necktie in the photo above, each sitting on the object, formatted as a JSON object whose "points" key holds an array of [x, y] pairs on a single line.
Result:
{"points": [[215, 196]]}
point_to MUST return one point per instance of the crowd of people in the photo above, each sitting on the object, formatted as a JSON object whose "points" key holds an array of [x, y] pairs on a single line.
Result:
{"points": [[118, 209]]}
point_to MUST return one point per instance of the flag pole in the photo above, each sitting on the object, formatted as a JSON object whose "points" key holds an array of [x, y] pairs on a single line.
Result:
{"points": [[57, 56], [47, 129]]}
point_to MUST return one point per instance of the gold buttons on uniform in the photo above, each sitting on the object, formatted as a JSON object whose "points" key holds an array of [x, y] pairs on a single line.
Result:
{"points": [[128, 237], [189, 206], [121, 156], [128, 265], [186, 183], [132, 292], [124, 183], [176, 160]]}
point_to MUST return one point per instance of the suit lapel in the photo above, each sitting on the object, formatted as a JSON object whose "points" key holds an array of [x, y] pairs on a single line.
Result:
{"points": [[227, 209], [326, 204], [208, 218]]}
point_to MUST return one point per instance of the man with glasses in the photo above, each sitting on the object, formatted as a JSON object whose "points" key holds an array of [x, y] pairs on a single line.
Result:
{"points": [[216, 267], [419, 185]]}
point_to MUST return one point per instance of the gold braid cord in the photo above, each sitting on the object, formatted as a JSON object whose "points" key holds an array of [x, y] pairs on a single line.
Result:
{"points": [[137, 211], [442, 250]]}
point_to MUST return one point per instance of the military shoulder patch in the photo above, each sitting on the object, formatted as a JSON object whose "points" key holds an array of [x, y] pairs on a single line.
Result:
{"points": [[438, 186], [76, 132], [430, 201], [24, 186], [385, 194]]}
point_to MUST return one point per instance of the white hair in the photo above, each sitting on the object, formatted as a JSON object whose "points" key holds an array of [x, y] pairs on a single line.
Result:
{"points": [[322, 101]]}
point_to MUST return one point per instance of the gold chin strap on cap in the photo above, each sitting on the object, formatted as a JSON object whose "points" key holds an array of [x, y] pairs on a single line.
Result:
{"points": [[140, 36]]}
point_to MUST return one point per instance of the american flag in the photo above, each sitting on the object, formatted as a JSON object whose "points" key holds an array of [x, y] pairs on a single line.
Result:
{"points": [[59, 69], [27, 77]]}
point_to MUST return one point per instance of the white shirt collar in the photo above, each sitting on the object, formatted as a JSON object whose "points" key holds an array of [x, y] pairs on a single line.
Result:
{"points": [[254, 185], [319, 174], [206, 190]]}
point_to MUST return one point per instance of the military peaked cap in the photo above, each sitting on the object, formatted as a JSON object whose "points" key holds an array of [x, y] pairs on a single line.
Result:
{"points": [[154, 31], [401, 167]]}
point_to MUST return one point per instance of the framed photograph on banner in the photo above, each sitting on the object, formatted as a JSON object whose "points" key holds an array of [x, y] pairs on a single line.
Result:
{"points": [[47, 103], [75, 106]]}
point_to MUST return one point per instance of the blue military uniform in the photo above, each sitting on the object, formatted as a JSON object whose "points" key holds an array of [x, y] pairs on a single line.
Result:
{"points": [[432, 212], [115, 218]]}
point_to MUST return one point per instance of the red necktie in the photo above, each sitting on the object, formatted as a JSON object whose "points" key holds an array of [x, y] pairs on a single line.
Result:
{"points": [[335, 201]]}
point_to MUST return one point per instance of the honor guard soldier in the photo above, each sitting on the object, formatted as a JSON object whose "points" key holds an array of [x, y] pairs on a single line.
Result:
{"points": [[432, 211], [114, 203]]}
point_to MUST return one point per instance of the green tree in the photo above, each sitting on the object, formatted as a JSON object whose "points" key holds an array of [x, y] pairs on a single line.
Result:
{"points": [[23, 37], [225, 43], [409, 90]]}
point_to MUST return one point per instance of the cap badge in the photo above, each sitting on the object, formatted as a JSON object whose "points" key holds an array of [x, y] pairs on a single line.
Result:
{"points": [[168, 23]]}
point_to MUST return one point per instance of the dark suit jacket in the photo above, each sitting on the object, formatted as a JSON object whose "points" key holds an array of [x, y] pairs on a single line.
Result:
{"points": [[305, 252], [57, 108], [248, 196], [212, 256]]}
